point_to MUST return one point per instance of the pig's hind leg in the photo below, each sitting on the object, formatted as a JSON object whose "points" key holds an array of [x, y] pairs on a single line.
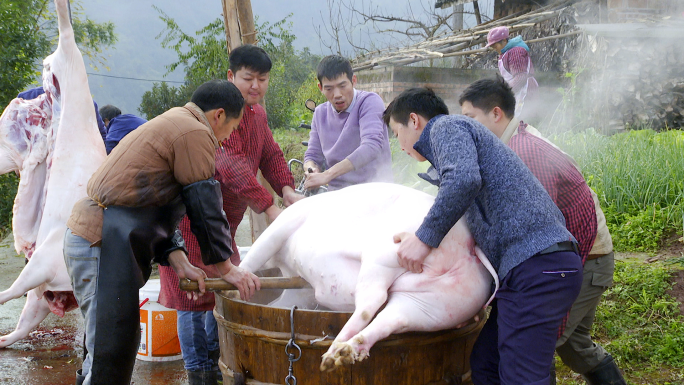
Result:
{"points": [[375, 278], [404, 312], [34, 274]]}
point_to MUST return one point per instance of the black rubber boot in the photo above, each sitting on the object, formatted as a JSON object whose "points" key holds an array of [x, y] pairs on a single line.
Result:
{"points": [[202, 377], [552, 376], [606, 373], [214, 357], [79, 377]]}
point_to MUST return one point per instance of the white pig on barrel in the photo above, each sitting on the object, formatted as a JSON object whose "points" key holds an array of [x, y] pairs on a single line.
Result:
{"points": [[343, 244]]}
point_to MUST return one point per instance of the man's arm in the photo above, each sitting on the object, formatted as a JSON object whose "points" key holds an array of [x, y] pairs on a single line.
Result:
{"points": [[275, 170], [314, 150], [316, 179], [236, 175], [455, 151], [372, 131]]}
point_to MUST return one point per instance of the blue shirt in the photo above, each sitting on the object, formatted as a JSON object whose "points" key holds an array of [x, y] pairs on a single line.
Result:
{"points": [[119, 127], [508, 211]]}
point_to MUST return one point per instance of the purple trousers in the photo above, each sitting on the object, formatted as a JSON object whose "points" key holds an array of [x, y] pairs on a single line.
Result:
{"points": [[517, 342]]}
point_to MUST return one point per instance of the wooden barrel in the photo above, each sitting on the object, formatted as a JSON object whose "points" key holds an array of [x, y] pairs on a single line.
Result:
{"points": [[253, 338]]}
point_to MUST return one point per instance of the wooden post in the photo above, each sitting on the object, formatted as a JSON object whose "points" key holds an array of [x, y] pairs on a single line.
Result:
{"points": [[478, 17], [230, 18], [247, 28]]}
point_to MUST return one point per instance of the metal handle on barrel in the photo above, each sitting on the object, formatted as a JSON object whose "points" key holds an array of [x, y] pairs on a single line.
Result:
{"points": [[216, 284]]}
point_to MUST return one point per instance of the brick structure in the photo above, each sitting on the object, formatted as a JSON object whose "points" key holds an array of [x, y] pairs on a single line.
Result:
{"points": [[448, 83], [620, 11]]}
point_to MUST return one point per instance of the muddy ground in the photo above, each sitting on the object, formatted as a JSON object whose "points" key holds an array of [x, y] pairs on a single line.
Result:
{"points": [[53, 352]]}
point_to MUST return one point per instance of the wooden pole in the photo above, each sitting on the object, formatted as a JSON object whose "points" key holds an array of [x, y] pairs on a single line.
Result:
{"points": [[225, 25], [230, 19], [215, 284], [246, 17], [476, 8]]}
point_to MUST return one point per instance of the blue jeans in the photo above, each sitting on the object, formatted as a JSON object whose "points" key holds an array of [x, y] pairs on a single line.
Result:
{"points": [[82, 263], [198, 335]]}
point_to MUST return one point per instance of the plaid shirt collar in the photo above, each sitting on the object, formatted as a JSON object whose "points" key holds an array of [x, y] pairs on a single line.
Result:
{"points": [[511, 130]]}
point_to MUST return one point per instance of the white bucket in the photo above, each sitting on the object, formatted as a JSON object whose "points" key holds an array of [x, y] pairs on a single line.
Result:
{"points": [[158, 327]]}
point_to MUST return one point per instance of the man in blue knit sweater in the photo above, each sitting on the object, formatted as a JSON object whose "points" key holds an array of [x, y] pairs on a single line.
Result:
{"points": [[513, 220]]}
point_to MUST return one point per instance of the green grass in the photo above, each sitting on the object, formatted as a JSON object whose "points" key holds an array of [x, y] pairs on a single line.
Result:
{"points": [[639, 177], [640, 324]]}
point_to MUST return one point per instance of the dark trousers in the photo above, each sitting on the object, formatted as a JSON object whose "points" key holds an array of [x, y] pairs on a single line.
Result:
{"points": [[517, 343]]}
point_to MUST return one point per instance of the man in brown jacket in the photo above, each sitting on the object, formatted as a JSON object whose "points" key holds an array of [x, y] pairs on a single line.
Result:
{"points": [[130, 217]]}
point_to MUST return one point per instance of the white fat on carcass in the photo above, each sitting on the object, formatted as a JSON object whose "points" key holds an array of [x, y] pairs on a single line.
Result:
{"points": [[342, 243], [53, 143]]}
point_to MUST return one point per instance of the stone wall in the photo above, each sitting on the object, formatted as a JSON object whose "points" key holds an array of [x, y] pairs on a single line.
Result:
{"points": [[631, 78]]}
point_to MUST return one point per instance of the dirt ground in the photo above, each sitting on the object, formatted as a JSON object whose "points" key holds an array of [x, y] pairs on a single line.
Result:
{"points": [[53, 352]]}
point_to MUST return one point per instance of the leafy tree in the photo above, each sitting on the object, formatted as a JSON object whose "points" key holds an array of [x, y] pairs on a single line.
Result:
{"points": [[161, 98], [204, 58], [28, 32], [21, 46]]}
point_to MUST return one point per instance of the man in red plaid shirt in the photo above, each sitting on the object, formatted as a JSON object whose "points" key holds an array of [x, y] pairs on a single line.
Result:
{"points": [[249, 149], [492, 103]]}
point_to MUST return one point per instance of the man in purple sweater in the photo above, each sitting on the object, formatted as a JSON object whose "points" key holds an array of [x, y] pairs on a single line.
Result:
{"points": [[349, 143]]}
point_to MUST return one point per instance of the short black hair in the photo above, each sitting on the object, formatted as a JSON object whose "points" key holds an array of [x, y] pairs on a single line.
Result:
{"points": [[486, 94], [331, 67], [251, 57], [109, 112], [422, 101], [216, 94]]}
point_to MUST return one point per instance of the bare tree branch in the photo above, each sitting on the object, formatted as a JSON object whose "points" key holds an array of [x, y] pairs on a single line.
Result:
{"points": [[364, 27]]}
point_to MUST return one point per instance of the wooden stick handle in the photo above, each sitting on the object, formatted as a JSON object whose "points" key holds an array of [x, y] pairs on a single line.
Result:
{"points": [[216, 284]]}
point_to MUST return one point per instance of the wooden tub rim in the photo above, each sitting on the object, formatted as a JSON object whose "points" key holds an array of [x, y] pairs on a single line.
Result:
{"points": [[306, 341]]}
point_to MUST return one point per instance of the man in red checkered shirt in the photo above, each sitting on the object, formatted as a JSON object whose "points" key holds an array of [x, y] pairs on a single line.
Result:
{"points": [[492, 103], [249, 149]]}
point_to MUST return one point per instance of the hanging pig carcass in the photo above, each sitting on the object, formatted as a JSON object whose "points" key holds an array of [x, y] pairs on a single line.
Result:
{"points": [[343, 244], [53, 143]]}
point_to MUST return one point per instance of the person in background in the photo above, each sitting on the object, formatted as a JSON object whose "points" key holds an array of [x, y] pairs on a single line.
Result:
{"points": [[492, 103], [348, 143], [136, 198], [249, 149], [515, 65], [514, 221], [34, 92], [118, 125]]}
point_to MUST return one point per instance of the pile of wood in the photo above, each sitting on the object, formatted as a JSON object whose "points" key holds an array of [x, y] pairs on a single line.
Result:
{"points": [[634, 83], [552, 43], [462, 43]]}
